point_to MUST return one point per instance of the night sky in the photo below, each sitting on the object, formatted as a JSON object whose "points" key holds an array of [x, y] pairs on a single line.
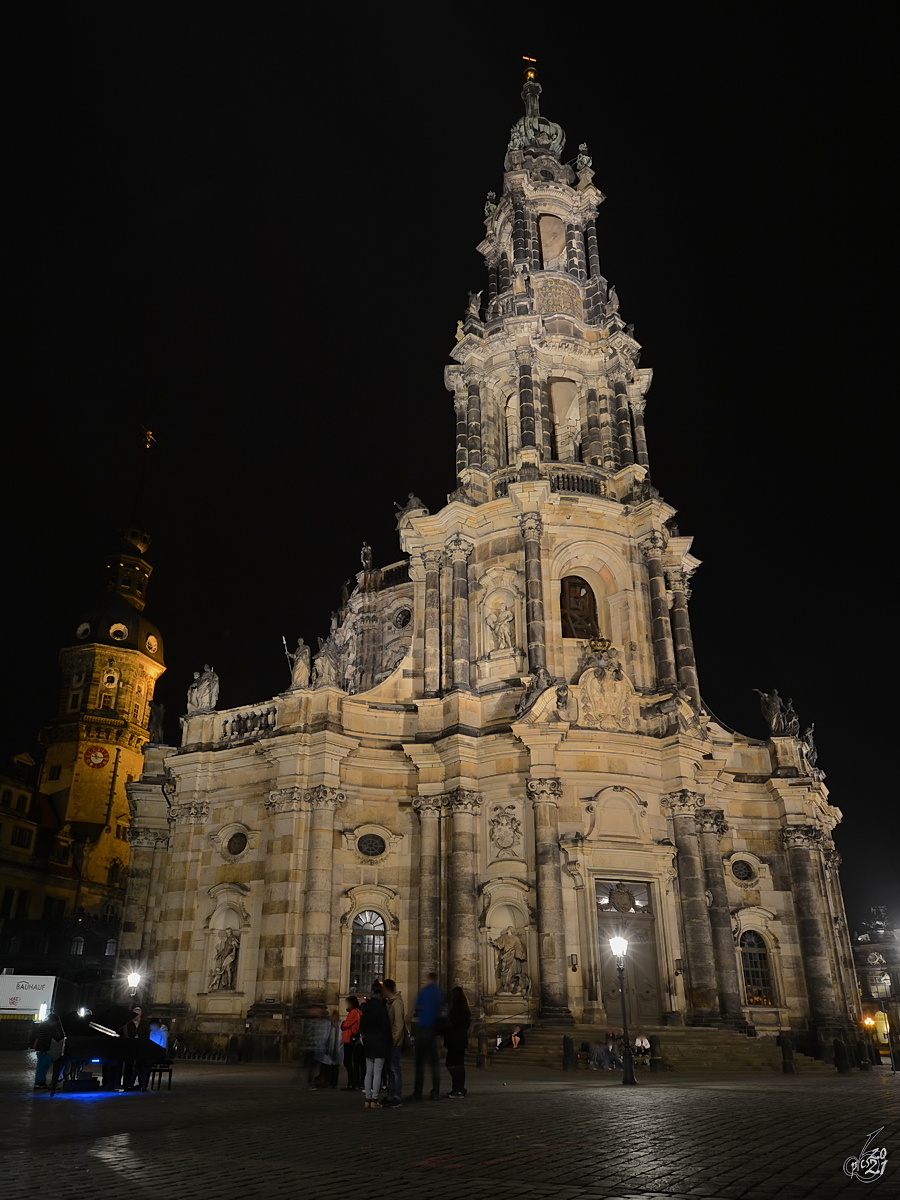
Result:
{"points": [[256, 235]]}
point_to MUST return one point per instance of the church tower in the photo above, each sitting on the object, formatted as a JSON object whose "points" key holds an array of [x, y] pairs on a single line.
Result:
{"points": [[93, 745], [501, 757]]}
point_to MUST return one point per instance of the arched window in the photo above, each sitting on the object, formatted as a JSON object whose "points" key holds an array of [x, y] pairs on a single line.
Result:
{"points": [[578, 609], [76, 946], [366, 951], [755, 963], [110, 948]]}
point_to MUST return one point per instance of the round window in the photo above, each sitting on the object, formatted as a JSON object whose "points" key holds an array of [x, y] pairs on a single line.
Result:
{"points": [[118, 632], [237, 843], [371, 845], [741, 870], [402, 618]]}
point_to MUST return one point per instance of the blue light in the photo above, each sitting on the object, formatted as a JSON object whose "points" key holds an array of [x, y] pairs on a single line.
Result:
{"points": [[95, 1060]]}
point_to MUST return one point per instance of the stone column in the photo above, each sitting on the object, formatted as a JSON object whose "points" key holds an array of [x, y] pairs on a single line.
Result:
{"points": [[652, 548], [608, 440], [702, 986], [429, 810], [575, 264], [318, 907], [473, 423], [546, 425], [593, 252], [544, 794], [463, 807], [594, 449], [504, 278], [431, 560], [526, 401], [458, 551], [681, 634], [711, 826], [493, 284], [521, 244], [461, 409], [623, 425], [804, 844], [531, 526], [640, 434]]}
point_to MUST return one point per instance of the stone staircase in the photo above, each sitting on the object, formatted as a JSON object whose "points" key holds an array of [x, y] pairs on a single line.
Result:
{"points": [[683, 1049]]}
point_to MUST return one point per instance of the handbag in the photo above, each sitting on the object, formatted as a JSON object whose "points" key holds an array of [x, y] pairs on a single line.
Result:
{"points": [[57, 1048]]}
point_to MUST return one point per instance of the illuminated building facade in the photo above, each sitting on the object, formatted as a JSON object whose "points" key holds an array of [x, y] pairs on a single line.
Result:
{"points": [[502, 755]]}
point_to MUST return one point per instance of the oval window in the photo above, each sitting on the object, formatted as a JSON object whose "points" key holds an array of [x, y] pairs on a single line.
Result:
{"points": [[237, 844]]}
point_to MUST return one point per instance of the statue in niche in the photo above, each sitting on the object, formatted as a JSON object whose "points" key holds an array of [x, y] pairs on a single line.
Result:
{"points": [[612, 303], [221, 978], [511, 955], [413, 504], [772, 707], [506, 830], [204, 691], [157, 716], [502, 624], [474, 306], [606, 691], [299, 661]]}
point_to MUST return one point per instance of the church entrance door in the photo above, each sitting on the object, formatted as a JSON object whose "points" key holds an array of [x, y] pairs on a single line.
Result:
{"points": [[624, 908]]}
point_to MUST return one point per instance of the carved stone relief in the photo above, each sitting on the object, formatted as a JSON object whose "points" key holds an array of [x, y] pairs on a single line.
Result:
{"points": [[505, 831]]}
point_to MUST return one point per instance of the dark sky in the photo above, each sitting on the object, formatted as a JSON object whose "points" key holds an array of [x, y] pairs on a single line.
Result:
{"points": [[257, 234]]}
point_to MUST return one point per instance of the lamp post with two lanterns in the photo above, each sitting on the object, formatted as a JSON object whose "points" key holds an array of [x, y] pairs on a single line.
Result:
{"points": [[619, 947]]}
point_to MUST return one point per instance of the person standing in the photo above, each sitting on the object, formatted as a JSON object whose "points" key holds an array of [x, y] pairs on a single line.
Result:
{"points": [[48, 1045], [354, 1059], [456, 1039], [137, 1063], [397, 1014], [429, 1003], [375, 1028]]}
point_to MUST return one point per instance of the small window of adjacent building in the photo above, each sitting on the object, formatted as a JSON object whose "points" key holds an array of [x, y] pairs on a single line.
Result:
{"points": [[110, 948], [134, 712], [54, 908], [55, 772], [74, 701], [76, 946], [880, 985], [755, 963], [61, 852], [21, 803], [578, 609], [106, 701], [6, 798], [22, 837]]}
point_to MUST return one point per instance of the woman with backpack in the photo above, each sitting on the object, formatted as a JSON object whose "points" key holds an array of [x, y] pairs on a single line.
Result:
{"points": [[353, 1055]]}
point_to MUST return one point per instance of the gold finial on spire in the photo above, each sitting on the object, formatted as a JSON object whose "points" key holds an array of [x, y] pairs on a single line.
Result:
{"points": [[148, 437], [530, 71]]}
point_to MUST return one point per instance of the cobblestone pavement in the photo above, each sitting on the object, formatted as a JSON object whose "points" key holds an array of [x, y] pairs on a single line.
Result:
{"points": [[251, 1131]]}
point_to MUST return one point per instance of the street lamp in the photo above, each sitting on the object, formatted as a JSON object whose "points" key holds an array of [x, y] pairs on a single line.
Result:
{"points": [[133, 980], [619, 946]]}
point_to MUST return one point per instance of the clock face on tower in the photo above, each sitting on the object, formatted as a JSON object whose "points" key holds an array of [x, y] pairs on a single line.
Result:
{"points": [[83, 630], [96, 756]]}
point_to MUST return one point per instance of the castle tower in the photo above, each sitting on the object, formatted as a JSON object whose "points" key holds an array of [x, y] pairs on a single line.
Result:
{"points": [[501, 757], [94, 743]]}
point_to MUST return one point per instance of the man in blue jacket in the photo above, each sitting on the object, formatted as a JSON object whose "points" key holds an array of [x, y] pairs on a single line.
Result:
{"points": [[429, 1003]]}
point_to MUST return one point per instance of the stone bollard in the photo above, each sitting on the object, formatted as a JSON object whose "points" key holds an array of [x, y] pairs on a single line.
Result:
{"points": [[570, 1062], [841, 1057], [788, 1066], [483, 1058], [656, 1062], [233, 1054], [862, 1054]]}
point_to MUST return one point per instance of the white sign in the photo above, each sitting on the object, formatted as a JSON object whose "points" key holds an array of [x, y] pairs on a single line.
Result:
{"points": [[26, 993]]}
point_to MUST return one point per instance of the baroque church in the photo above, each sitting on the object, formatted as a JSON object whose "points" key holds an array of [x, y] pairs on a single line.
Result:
{"points": [[500, 757]]}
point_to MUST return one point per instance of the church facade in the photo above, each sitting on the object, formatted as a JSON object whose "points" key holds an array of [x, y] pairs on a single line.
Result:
{"points": [[500, 757]]}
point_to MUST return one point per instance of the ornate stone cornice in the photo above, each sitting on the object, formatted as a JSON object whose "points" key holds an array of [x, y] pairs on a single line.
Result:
{"points": [[458, 549], [682, 803], [544, 791], [653, 545], [808, 837], [297, 799], [711, 820], [195, 812], [677, 579], [638, 406], [149, 838], [531, 526]]}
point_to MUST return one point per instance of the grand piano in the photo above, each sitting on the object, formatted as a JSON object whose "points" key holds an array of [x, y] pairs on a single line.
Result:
{"points": [[97, 1043]]}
